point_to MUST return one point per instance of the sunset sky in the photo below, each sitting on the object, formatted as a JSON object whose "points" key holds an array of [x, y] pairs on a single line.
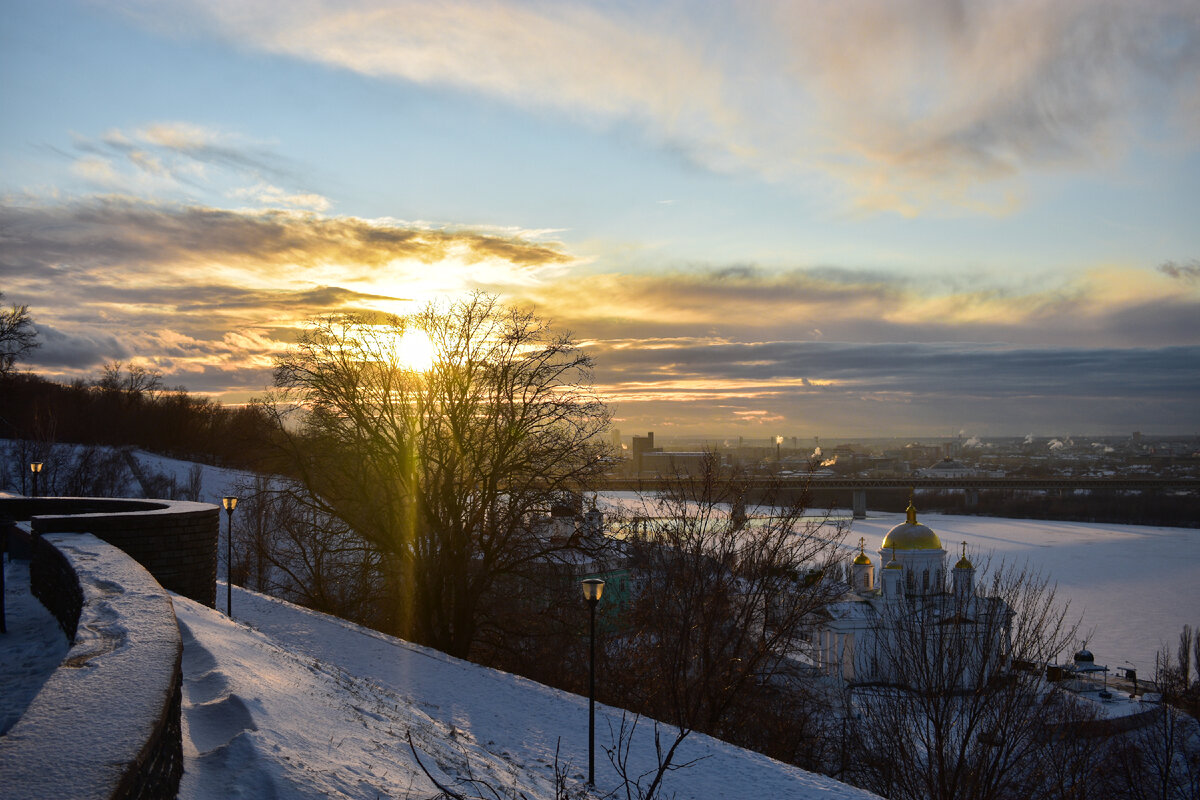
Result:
{"points": [[802, 218]]}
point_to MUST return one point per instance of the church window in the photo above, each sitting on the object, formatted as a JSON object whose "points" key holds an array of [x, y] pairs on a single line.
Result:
{"points": [[925, 581]]}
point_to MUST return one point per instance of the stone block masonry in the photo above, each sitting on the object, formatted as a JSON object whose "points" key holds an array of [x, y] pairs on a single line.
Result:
{"points": [[175, 540]]}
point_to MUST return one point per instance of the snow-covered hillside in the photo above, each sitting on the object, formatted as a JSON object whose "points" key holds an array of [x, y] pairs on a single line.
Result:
{"points": [[286, 702]]}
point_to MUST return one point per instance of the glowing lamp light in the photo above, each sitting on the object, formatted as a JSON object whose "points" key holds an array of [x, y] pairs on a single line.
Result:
{"points": [[36, 468], [593, 588], [230, 503]]}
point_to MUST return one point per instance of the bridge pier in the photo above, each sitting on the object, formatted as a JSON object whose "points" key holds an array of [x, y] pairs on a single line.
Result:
{"points": [[972, 498], [860, 503]]}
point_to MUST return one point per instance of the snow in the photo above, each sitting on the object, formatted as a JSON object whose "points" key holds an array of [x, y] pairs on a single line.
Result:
{"points": [[215, 482], [111, 689], [32, 648], [291, 703], [288, 702]]}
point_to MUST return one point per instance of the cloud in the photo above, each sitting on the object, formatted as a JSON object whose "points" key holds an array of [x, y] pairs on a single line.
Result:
{"points": [[882, 388], [192, 144], [1114, 307], [200, 291], [177, 159], [83, 350], [268, 195], [905, 104], [1188, 273], [118, 231]]}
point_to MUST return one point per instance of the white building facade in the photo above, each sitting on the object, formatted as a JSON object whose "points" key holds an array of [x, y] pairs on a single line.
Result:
{"points": [[857, 638]]}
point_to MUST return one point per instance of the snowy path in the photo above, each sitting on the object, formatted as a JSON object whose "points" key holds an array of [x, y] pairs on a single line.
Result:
{"points": [[32, 648]]}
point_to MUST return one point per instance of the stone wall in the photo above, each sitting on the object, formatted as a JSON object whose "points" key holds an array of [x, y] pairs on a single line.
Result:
{"points": [[175, 540], [106, 724], [54, 582]]}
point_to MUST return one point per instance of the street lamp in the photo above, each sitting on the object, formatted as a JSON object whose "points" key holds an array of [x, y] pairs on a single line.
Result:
{"points": [[230, 503], [592, 589], [36, 468]]}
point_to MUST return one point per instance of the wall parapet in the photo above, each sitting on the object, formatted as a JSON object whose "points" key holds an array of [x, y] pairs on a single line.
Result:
{"points": [[106, 724], [175, 540]]}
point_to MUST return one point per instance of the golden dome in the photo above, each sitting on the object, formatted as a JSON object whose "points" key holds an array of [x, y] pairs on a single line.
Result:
{"points": [[862, 558], [911, 535], [964, 562]]}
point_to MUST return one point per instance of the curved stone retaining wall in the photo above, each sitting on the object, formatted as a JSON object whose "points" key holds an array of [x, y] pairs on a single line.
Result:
{"points": [[53, 581], [106, 725], [176, 540]]}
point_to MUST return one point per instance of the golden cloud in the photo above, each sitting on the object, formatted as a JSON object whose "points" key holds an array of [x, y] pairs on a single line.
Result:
{"points": [[118, 230], [748, 304], [198, 288]]}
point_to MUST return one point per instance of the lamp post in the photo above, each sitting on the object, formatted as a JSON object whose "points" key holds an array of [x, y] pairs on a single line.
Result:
{"points": [[36, 468], [230, 503], [592, 589]]}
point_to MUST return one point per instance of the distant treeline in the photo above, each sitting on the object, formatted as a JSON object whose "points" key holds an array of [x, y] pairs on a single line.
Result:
{"points": [[1144, 507], [128, 405]]}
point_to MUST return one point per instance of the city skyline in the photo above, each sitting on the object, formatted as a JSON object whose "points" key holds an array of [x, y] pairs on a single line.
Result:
{"points": [[871, 219]]}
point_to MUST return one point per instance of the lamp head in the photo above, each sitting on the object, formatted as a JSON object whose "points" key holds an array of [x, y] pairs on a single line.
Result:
{"points": [[230, 503], [35, 466], [592, 589]]}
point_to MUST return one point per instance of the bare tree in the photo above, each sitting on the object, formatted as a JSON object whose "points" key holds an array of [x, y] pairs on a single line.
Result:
{"points": [[649, 784], [1161, 761], [18, 337], [284, 546], [966, 709], [1185, 658], [440, 467], [730, 573], [132, 380]]}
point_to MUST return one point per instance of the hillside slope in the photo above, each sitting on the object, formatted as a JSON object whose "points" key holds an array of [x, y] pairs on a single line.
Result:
{"points": [[287, 702]]}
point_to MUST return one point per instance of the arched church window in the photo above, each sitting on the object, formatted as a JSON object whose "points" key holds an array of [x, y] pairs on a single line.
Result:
{"points": [[925, 581]]}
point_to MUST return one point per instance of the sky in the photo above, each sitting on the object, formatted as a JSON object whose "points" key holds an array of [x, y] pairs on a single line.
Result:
{"points": [[885, 217]]}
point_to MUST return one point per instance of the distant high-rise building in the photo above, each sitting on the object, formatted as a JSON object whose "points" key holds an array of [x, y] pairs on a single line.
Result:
{"points": [[640, 445]]}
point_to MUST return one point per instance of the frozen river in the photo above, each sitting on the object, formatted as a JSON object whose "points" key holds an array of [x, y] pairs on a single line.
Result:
{"points": [[1134, 586]]}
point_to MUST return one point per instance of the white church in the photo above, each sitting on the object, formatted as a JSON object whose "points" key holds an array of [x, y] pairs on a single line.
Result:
{"points": [[855, 636]]}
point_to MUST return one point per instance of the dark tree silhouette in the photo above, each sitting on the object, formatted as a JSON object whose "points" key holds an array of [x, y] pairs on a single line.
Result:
{"points": [[440, 468], [18, 337]]}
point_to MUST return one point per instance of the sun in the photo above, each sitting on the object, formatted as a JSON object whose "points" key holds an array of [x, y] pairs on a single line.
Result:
{"points": [[415, 351]]}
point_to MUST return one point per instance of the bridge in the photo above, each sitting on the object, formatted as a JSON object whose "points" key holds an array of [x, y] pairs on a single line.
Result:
{"points": [[972, 486]]}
